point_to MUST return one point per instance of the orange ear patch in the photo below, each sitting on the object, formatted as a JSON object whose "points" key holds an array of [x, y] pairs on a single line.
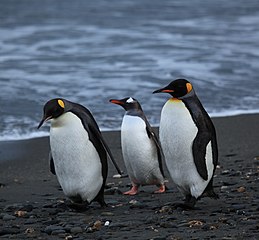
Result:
{"points": [[61, 103], [189, 87]]}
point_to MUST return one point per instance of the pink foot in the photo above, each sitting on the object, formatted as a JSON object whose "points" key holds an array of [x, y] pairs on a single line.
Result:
{"points": [[161, 189], [132, 191]]}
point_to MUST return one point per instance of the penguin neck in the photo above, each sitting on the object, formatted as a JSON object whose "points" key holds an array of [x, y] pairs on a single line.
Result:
{"points": [[133, 112], [65, 119], [174, 100]]}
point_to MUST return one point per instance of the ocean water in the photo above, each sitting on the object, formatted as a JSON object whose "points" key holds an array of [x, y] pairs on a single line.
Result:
{"points": [[91, 51]]}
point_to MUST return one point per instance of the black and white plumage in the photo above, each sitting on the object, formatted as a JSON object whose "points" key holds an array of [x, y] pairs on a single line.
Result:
{"points": [[78, 152], [141, 150], [188, 139]]}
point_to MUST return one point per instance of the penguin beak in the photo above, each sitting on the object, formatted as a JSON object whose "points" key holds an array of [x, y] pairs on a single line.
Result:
{"points": [[164, 90], [44, 119], [115, 101]]}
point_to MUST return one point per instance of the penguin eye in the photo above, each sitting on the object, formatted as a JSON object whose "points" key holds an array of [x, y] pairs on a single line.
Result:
{"points": [[61, 103]]}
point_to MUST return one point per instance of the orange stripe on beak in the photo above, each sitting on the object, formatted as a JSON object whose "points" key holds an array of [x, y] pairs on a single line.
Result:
{"points": [[116, 101], [167, 91]]}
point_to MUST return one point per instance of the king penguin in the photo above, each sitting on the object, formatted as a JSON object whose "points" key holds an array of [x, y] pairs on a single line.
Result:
{"points": [[141, 150], [78, 152], [188, 140]]}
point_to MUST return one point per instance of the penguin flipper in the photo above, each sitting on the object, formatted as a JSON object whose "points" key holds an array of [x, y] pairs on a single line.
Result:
{"points": [[160, 154], [99, 135], [91, 126], [51, 164], [199, 153]]}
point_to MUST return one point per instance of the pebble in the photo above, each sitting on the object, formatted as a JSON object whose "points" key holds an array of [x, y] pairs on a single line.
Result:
{"points": [[53, 228], [107, 214], [241, 189], [224, 188], [10, 230], [26, 208], [76, 230], [118, 225], [97, 225], [58, 232], [8, 217], [168, 225], [225, 172]]}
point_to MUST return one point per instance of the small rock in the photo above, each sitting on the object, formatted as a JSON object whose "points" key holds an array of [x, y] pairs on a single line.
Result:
{"points": [[165, 209], [195, 223], [20, 213], [107, 223], [53, 228], [6, 231], [225, 172], [69, 237], [116, 176], [107, 214], [97, 225], [29, 230], [112, 191], [8, 217], [30, 221], [76, 230], [89, 230], [223, 188], [58, 232], [27, 208], [118, 225], [159, 238], [152, 219], [133, 201], [167, 225], [241, 189]]}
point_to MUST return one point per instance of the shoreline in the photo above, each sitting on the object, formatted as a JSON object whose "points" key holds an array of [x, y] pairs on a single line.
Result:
{"points": [[35, 135], [26, 183]]}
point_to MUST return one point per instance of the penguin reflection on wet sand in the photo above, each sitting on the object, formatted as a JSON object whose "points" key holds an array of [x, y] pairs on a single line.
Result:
{"points": [[188, 140], [141, 150], [78, 152]]}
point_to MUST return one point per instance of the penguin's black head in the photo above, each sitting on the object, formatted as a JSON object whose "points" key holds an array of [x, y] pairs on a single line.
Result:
{"points": [[128, 103], [177, 88], [53, 109]]}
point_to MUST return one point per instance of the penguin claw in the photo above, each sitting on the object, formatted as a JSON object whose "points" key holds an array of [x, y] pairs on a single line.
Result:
{"points": [[162, 189], [132, 191]]}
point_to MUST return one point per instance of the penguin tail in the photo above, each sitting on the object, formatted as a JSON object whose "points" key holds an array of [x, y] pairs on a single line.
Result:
{"points": [[210, 194], [209, 191]]}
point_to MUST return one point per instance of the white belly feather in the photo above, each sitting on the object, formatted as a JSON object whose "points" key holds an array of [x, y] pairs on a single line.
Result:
{"points": [[77, 163], [139, 152], [177, 132]]}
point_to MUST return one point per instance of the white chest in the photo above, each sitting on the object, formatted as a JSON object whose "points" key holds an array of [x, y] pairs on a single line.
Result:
{"points": [[139, 151], [133, 137], [177, 132], [77, 163], [177, 128]]}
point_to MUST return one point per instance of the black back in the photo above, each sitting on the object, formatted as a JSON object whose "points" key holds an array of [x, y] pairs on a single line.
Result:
{"points": [[206, 133]]}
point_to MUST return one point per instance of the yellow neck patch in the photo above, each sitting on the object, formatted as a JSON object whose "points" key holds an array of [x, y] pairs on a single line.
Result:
{"points": [[174, 100], [189, 87], [61, 103]]}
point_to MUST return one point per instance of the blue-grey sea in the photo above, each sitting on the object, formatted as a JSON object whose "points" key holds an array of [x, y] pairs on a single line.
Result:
{"points": [[91, 51]]}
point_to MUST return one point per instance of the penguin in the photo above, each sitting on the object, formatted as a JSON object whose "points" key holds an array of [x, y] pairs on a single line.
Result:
{"points": [[188, 139], [141, 150], [78, 152]]}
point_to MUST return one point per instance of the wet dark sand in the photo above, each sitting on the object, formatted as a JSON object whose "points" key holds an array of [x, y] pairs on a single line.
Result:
{"points": [[32, 204]]}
